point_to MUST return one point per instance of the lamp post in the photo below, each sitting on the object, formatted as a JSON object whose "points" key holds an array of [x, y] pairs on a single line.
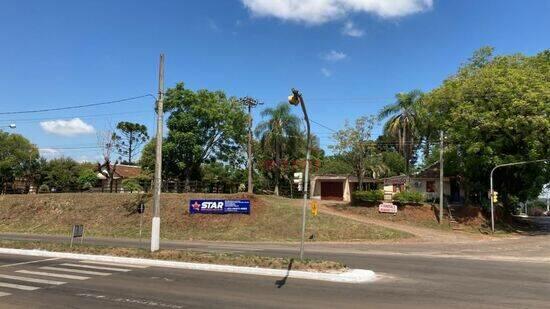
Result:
{"points": [[491, 192], [295, 99]]}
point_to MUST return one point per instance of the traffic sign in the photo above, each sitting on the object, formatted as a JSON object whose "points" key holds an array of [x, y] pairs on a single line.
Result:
{"points": [[314, 208]]}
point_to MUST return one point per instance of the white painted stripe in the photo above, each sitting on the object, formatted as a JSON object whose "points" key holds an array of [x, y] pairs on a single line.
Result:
{"points": [[78, 271], [18, 286], [4, 294], [41, 273], [31, 262], [95, 267], [113, 264], [34, 280]]}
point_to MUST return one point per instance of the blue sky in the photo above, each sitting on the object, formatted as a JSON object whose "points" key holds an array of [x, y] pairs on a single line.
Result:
{"points": [[348, 57]]}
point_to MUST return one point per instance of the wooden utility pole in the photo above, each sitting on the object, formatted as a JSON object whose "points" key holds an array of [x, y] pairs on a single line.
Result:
{"points": [[155, 228], [441, 177], [250, 103]]}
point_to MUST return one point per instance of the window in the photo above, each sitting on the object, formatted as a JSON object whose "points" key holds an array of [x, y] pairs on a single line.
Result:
{"points": [[430, 186]]}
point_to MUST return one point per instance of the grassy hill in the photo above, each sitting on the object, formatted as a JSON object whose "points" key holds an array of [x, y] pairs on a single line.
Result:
{"points": [[113, 215]]}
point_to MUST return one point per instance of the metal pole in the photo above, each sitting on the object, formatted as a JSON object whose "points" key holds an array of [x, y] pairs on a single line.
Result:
{"points": [[250, 188], [306, 177], [491, 184], [140, 228], [155, 227], [441, 177]]}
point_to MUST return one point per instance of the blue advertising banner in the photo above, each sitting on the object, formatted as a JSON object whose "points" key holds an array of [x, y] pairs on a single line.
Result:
{"points": [[219, 207]]}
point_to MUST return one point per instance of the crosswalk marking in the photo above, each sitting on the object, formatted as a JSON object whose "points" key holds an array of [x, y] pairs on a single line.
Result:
{"points": [[78, 271], [18, 286], [4, 294], [33, 280], [113, 264], [95, 267], [41, 273]]}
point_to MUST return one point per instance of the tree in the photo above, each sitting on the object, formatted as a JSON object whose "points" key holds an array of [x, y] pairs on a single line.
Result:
{"points": [[87, 177], [61, 174], [106, 141], [18, 158], [403, 122], [128, 139], [394, 162], [355, 144], [279, 137], [203, 126], [493, 111], [335, 165]]}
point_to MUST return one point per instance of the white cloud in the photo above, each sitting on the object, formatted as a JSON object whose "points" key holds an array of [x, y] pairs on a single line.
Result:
{"points": [[333, 56], [71, 127], [349, 29], [321, 11], [326, 72]]}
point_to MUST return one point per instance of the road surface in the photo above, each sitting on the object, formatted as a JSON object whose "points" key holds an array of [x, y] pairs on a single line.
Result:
{"points": [[412, 280]]}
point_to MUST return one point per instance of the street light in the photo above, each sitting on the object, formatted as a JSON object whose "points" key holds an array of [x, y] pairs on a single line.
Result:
{"points": [[11, 126], [491, 192], [295, 99]]}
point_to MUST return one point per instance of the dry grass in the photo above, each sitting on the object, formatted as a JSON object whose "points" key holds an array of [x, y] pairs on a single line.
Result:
{"points": [[112, 215], [185, 256]]}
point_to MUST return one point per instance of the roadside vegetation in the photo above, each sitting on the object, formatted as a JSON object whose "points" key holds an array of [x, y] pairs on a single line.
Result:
{"points": [[115, 215], [191, 256]]}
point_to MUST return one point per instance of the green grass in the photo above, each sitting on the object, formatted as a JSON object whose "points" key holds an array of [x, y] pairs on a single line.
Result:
{"points": [[185, 256], [112, 215]]}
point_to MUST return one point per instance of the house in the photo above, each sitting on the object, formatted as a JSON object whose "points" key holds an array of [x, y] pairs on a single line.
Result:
{"points": [[426, 181], [122, 172], [337, 187], [340, 187]]}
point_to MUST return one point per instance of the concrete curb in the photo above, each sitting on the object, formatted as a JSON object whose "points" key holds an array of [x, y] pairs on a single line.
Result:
{"points": [[350, 276]]}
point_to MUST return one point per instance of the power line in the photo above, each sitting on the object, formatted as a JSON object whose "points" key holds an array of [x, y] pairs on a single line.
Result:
{"points": [[74, 107], [27, 120]]}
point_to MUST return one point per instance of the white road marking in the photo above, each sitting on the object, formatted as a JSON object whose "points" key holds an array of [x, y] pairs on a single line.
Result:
{"points": [[78, 271], [18, 286], [96, 267], [113, 264], [34, 280], [30, 262], [4, 294], [41, 273]]}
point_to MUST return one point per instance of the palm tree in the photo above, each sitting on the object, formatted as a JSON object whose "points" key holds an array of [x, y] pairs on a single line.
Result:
{"points": [[279, 137], [403, 121]]}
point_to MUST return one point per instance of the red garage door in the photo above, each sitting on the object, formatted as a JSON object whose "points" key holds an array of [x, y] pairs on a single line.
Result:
{"points": [[332, 190]]}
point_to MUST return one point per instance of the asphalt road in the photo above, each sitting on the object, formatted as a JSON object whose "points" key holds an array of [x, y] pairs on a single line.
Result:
{"points": [[412, 281]]}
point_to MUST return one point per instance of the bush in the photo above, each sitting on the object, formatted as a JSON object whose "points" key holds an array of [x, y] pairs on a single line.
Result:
{"points": [[367, 197], [131, 185], [408, 197], [43, 188]]}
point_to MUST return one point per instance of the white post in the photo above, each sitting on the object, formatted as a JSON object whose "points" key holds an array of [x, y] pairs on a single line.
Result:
{"points": [[155, 226]]}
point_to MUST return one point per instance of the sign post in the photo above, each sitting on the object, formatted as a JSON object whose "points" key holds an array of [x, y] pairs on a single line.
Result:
{"points": [[140, 210], [78, 232]]}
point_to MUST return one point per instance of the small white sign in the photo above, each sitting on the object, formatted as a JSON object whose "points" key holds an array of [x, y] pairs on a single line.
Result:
{"points": [[298, 175], [387, 208]]}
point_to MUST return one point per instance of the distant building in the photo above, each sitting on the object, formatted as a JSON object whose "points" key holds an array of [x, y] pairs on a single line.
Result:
{"points": [[122, 172], [426, 181]]}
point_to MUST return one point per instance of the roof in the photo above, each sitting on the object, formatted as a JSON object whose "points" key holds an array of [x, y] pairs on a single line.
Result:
{"points": [[124, 171], [127, 171]]}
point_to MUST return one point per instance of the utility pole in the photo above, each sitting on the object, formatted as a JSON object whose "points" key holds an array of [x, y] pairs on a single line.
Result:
{"points": [[441, 150], [155, 227], [250, 103]]}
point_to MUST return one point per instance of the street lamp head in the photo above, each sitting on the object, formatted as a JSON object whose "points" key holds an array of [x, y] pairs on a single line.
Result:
{"points": [[12, 126], [294, 98]]}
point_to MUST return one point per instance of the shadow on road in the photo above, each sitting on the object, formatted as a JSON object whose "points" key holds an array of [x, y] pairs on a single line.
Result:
{"points": [[280, 283]]}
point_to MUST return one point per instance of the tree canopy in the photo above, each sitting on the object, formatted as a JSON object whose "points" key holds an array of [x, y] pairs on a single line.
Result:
{"points": [[18, 157], [496, 110], [128, 138]]}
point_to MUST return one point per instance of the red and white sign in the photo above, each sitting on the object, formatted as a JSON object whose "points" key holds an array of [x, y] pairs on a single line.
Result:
{"points": [[387, 208]]}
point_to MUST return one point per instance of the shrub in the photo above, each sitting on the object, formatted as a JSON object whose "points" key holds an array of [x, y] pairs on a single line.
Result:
{"points": [[131, 185], [367, 197], [409, 197], [43, 188]]}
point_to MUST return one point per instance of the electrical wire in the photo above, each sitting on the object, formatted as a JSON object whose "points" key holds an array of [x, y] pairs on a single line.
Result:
{"points": [[75, 106]]}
